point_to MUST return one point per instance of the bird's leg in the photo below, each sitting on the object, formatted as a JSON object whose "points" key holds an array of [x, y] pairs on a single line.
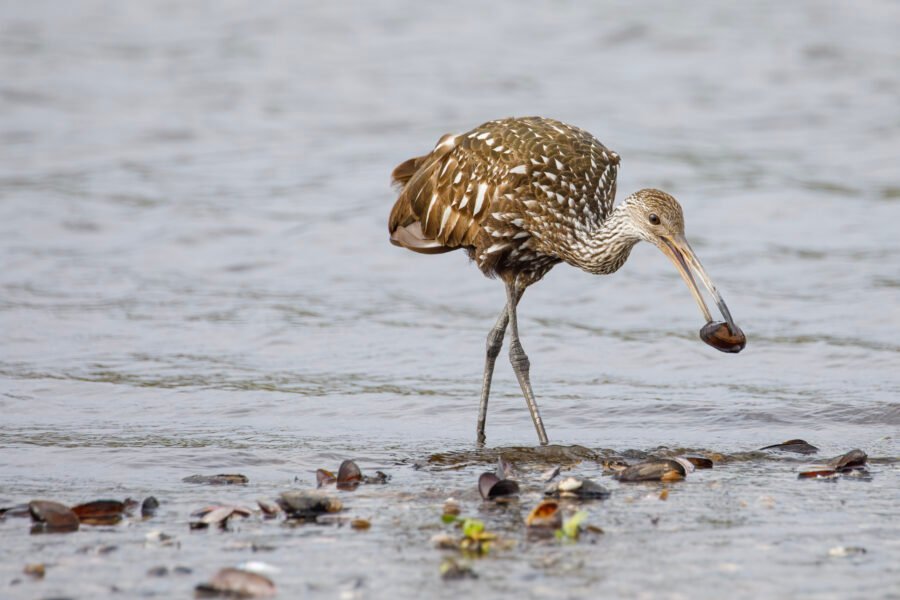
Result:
{"points": [[519, 360], [494, 343]]}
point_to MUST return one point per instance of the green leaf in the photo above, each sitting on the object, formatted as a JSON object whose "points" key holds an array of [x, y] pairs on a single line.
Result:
{"points": [[448, 518], [572, 525], [472, 527]]}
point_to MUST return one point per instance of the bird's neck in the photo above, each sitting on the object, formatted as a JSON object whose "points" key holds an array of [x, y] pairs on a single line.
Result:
{"points": [[605, 249]]}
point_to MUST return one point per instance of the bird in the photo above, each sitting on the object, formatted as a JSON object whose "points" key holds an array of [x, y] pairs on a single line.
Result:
{"points": [[521, 195]]}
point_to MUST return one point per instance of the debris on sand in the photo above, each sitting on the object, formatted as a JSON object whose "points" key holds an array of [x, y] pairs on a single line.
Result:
{"points": [[220, 479], [845, 551], [550, 474], [451, 569], [500, 484], [349, 476], [492, 487], [35, 570], [699, 462], [218, 515], [100, 512], [850, 464], [577, 488], [149, 507], [451, 508], [653, 470], [52, 517], [545, 515], [307, 505], [269, 510], [236, 583], [795, 446]]}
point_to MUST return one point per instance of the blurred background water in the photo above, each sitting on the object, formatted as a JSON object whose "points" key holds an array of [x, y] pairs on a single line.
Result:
{"points": [[195, 272]]}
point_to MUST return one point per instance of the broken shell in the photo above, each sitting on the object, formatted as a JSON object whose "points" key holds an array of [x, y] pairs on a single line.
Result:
{"points": [[379, 477], [19, 510], [220, 479], [349, 476], [545, 515], [492, 487], [324, 477], [149, 507], [100, 512], [852, 464], [504, 469], [307, 505], [269, 510], [53, 516], [654, 470], [699, 462], [855, 459], [237, 583], [218, 515], [720, 336], [550, 474], [688, 465], [575, 487], [818, 473], [613, 466], [797, 446]]}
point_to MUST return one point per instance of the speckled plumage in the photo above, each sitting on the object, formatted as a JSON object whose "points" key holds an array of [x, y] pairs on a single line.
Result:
{"points": [[520, 195]]}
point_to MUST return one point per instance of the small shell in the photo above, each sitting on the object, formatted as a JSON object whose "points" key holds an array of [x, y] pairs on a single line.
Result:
{"points": [[100, 512], [653, 470], [576, 487], [722, 338], [854, 459], [699, 462], [239, 584], [491, 487], [545, 515], [324, 477], [54, 517], [796, 446], [306, 505]]}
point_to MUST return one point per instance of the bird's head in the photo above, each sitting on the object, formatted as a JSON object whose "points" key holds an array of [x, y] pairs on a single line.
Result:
{"points": [[656, 217]]}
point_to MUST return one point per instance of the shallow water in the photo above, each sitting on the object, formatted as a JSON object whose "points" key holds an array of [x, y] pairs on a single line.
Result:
{"points": [[196, 278]]}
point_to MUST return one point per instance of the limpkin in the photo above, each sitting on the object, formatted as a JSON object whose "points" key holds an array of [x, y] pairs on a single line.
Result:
{"points": [[521, 195]]}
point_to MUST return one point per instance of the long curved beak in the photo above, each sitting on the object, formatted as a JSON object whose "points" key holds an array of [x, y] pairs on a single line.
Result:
{"points": [[682, 255]]}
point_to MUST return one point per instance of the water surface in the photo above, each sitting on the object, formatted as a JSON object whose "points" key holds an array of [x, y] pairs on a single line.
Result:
{"points": [[196, 278]]}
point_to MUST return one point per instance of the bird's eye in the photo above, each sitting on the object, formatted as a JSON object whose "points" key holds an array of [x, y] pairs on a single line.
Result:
{"points": [[654, 220]]}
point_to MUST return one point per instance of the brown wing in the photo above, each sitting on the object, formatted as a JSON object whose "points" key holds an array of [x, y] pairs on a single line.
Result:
{"points": [[448, 194], [491, 188]]}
